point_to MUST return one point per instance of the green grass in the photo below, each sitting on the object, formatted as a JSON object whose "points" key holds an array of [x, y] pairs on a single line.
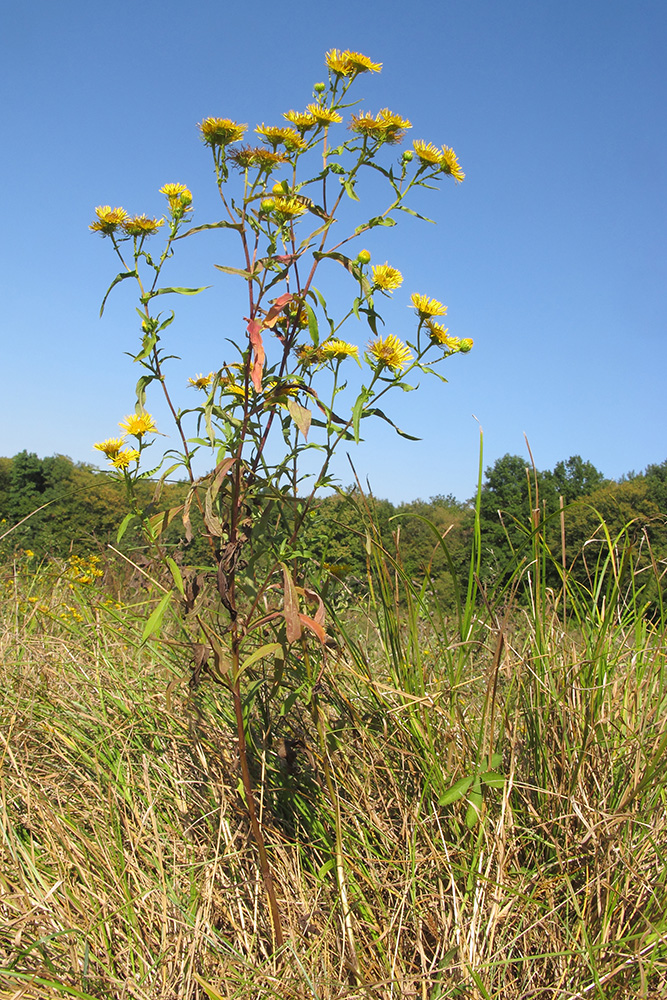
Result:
{"points": [[470, 805]]}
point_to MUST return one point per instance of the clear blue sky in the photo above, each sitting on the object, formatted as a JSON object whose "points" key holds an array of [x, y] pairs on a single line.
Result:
{"points": [[551, 254]]}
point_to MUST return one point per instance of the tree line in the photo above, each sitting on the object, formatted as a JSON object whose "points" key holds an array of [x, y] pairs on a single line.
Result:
{"points": [[574, 509]]}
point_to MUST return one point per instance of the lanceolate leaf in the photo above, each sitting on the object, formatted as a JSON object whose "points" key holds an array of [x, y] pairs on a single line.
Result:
{"points": [[119, 277], [178, 291], [300, 415], [154, 623]]}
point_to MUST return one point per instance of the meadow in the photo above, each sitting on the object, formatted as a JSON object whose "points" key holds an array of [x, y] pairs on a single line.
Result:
{"points": [[468, 804]]}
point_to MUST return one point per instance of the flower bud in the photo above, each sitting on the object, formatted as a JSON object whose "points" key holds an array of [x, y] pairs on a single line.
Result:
{"points": [[465, 345], [280, 188], [319, 88], [407, 155], [364, 257], [267, 204]]}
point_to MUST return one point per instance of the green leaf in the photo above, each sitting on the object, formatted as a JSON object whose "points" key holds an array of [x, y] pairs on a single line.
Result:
{"points": [[494, 779], [475, 800], [154, 623], [410, 211], [210, 225], [376, 412], [124, 524], [176, 574], [235, 270], [176, 290], [119, 277], [259, 654], [456, 792], [349, 190]]}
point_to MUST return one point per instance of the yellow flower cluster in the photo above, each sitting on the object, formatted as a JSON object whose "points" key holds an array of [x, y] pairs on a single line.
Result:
{"points": [[201, 381], [142, 225], [221, 131], [324, 116], [108, 219], [385, 126], [179, 198], [257, 156], [137, 424], [444, 159], [386, 278], [277, 136], [390, 351], [427, 307], [83, 569], [302, 120], [349, 63], [339, 349]]}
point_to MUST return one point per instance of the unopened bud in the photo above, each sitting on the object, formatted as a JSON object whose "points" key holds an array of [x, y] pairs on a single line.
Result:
{"points": [[465, 345], [267, 204], [319, 88], [364, 257], [408, 155]]}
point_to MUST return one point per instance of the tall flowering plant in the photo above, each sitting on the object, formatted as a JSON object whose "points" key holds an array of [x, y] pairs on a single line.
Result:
{"points": [[287, 382]]}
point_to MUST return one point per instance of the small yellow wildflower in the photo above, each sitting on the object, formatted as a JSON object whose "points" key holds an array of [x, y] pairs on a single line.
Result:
{"points": [[29, 554], [179, 198], [201, 381], [108, 219], [302, 120], [221, 131], [387, 278], [427, 307], [256, 156], [444, 159], [288, 137], [289, 207], [450, 165], [123, 458], [350, 63], [436, 332], [141, 225], [324, 116], [138, 423], [427, 152], [339, 349], [110, 447], [391, 352], [383, 127]]}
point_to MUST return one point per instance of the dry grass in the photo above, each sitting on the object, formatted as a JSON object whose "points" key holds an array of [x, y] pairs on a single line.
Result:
{"points": [[128, 870]]}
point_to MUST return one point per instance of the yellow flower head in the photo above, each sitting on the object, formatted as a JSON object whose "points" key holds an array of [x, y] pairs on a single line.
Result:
{"points": [[141, 225], [139, 423], [339, 349], [383, 127], [387, 278], [450, 165], [108, 219], [428, 153], [179, 198], [444, 159], [390, 351], [427, 307], [309, 355], [110, 447], [221, 131], [324, 116], [287, 137], [302, 120], [437, 333], [256, 156], [201, 381], [123, 458], [350, 63], [291, 208]]}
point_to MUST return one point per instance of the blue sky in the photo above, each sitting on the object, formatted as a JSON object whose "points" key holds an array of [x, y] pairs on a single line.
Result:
{"points": [[551, 254]]}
